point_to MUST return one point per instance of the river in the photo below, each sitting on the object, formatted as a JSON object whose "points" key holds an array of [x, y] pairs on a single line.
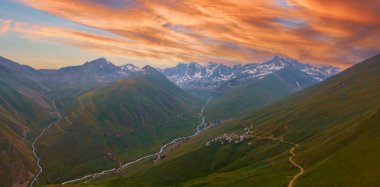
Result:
{"points": [[34, 146], [201, 127]]}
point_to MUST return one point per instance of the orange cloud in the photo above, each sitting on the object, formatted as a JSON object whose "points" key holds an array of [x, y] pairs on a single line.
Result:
{"points": [[330, 32], [5, 26]]}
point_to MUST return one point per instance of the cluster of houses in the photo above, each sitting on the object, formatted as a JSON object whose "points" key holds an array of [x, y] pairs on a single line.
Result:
{"points": [[229, 138]]}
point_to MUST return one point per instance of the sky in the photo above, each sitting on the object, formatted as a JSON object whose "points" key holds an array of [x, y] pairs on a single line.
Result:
{"points": [[57, 33]]}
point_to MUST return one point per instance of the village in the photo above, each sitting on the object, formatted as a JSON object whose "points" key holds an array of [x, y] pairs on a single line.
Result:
{"points": [[229, 138]]}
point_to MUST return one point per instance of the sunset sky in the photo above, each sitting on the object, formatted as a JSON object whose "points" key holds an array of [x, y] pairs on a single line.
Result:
{"points": [[56, 33]]}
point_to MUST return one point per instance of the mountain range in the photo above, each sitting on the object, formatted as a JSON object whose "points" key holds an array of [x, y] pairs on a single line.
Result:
{"points": [[190, 76], [215, 76]]}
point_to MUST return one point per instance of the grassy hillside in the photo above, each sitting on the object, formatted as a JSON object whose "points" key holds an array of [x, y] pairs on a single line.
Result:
{"points": [[25, 99], [256, 94], [115, 124], [24, 111], [335, 123], [17, 163]]}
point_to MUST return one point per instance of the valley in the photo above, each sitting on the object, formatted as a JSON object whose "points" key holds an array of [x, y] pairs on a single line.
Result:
{"points": [[142, 126], [162, 152]]}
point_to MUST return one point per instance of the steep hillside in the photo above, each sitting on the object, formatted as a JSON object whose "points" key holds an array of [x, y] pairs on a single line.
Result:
{"points": [[25, 110], [17, 162], [115, 124], [256, 94], [24, 99], [331, 130]]}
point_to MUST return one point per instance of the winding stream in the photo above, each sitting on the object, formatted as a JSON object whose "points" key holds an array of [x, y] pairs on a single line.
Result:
{"points": [[34, 146], [201, 127]]}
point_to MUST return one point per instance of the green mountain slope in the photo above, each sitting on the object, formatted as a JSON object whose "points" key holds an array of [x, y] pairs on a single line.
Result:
{"points": [[115, 124], [335, 124], [256, 94], [25, 110], [24, 98]]}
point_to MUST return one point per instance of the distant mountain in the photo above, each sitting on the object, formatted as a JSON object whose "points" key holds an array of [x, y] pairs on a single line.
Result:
{"points": [[129, 68], [330, 130], [99, 70], [76, 79], [116, 123], [257, 93], [215, 76]]}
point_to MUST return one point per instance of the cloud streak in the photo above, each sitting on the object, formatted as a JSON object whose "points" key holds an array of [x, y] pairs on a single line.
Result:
{"points": [[339, 32], [5, 26]]}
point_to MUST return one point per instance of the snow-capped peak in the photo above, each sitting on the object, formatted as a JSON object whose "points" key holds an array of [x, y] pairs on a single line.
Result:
{"points": [[283, 61], [129, 67], [212, 75]]}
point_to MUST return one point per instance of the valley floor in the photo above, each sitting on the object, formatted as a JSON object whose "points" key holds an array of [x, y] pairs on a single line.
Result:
{"points": [[160, 154]]}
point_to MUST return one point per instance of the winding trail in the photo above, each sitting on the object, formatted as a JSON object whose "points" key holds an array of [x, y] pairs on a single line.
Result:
{"points": [[295, 177], [291, 158], [34, 145], [201, 127]]}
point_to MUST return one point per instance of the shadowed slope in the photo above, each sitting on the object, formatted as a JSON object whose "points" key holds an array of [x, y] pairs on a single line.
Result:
{"points": [[25, 110]]}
